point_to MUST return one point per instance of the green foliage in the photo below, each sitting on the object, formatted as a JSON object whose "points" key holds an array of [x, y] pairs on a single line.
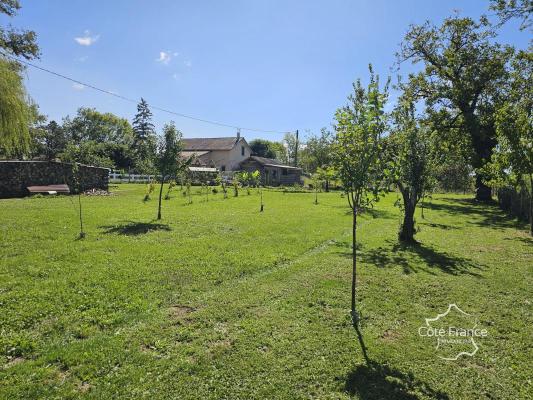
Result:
{"points": [[150, 187], [464, 72], [356, 154], [510, 9], [169, 162], [358, 145], [412, 163], [317, 151], [268, 149], [222, 183], [50, 140], [16, 41], [15, 112], [291, 146], [512, 160], [144, 139], [171, 186], [236, 184], [99, 139]]}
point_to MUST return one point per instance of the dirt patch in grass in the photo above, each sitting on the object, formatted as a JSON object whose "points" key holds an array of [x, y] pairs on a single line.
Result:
{"points": [[84, 387], [390, 335], [14, 361], [180, 311]]}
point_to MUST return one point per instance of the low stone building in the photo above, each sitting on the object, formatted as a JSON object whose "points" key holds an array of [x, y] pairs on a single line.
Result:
{"points": [[273, 172], [16, 176]]}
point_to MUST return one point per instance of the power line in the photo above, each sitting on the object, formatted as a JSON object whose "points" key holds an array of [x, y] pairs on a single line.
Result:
{"points": [[57, 74]]}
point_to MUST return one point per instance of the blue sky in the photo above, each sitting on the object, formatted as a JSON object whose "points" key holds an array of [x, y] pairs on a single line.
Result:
{"points": [[276, 65]]}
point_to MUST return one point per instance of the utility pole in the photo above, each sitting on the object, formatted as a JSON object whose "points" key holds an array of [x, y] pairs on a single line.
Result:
{"points": [[296, 150]]}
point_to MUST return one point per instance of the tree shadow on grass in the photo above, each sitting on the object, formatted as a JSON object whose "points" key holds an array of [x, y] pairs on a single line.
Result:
{"points": [[478, 213], [381, 381], [132, 228], [413, 256], [525, 240]]}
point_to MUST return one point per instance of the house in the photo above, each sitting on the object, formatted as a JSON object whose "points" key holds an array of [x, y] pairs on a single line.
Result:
{"points": [[273, 172], [224, 153]]}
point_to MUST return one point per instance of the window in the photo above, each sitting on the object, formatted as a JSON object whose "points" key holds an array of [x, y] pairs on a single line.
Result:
{"points": [[242, 151], [284, 171], [274, 173], [222, 168]]}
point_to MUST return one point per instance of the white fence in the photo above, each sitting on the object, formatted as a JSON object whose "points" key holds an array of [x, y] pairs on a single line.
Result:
{"points": [[130, 178], [115, 177]]}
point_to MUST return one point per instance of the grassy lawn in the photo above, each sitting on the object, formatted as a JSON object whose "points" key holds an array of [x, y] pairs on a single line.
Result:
{"points": [[217, 300]]}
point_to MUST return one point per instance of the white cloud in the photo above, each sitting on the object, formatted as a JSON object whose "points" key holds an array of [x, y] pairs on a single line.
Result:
{"points": [[83, 58], [176, 76], [87, 39], [187, 63], [164, 57], [78, 86]]}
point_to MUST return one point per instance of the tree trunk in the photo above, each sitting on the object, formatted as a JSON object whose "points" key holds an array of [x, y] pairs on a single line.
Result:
{"points": [[531, 205], [316, 196], [327, 186], [483, 192], [407, 231], [160, 194], [354, 262]]}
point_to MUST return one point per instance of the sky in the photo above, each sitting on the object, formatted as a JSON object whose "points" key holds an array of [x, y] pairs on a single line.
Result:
{"points": [[276, 65]]}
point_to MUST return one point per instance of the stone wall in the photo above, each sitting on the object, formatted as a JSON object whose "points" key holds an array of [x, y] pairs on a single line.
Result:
{"points": [[15, 176]]}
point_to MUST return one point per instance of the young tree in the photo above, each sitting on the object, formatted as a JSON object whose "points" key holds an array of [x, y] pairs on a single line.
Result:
{"points": [[356, 151], [169, 160], [144, 139], [410, 150], [255, 179], [316, 178], [464, 71]]}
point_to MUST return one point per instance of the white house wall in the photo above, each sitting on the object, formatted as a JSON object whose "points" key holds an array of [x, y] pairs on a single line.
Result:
{"points": [[231, 159]]}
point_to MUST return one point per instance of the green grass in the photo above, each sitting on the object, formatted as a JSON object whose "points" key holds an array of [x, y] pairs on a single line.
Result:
{"points": [[217, 300]]}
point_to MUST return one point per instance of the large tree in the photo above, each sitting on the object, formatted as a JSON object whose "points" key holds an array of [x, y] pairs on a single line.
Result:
{"points": [[267, 148], [510, 9], [101, 139], [317, 151], [15, 112], [13, 41], [356, 154], [144, 139], [512, 161], [464, 71]]}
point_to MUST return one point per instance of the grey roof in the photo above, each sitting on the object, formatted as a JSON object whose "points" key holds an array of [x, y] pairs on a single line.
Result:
{"points": [[203, 144], [270, 162]]}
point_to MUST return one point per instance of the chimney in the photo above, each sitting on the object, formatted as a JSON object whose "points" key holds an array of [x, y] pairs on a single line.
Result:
{"points": [[238, 134]]}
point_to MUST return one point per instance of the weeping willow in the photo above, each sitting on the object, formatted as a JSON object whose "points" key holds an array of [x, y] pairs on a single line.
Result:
{"points": [[15, 113]]}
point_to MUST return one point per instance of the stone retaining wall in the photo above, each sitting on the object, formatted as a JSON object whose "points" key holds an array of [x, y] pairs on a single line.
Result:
{"points": [[15, 176]]}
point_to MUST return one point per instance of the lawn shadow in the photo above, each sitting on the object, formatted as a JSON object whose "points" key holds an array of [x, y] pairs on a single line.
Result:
{"points": [[381, 381], [132, 228], [409, 257], [483, 214], [526, 240]]}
